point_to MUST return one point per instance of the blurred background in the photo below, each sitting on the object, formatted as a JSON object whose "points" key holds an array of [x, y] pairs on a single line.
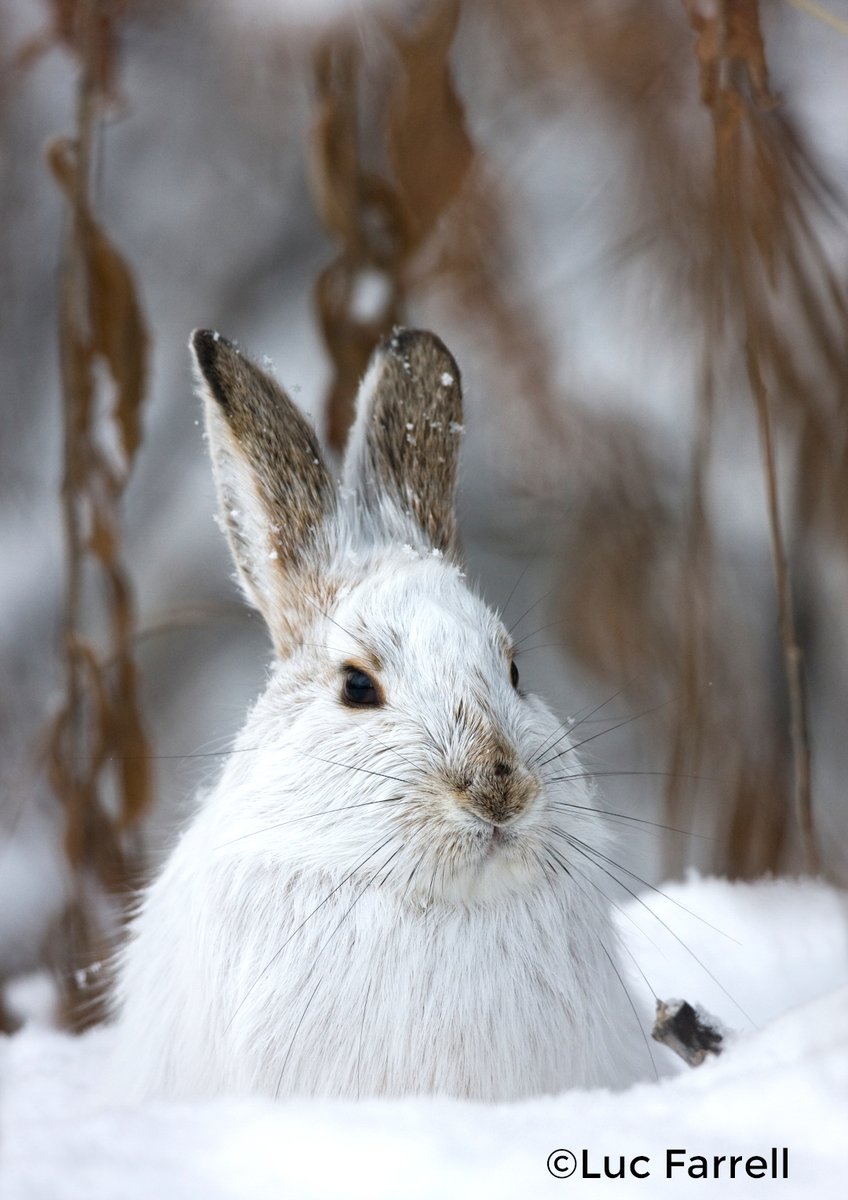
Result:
{"points": [[628, 222]]}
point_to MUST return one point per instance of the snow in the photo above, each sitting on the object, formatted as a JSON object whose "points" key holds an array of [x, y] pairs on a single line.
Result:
{"points": [[747, 952], [784, 1084]]}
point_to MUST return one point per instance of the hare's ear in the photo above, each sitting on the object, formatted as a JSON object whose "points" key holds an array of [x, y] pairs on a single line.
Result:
{"points": [[404, 445], [274, 491]]}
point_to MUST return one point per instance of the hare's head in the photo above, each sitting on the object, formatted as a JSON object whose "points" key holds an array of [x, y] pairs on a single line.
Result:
{"points": [[394, 718]]}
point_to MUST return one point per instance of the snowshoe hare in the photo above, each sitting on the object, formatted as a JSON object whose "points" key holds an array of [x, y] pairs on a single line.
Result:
{"points": [[395, 887]]}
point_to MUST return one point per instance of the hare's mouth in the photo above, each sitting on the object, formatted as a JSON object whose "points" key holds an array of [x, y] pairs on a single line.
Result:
{"points": [[489, 862], [498, 842], [499, 837]]}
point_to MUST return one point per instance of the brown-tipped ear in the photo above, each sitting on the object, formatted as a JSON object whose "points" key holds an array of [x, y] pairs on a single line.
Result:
{"points": [[404, 445], [274, 490]]}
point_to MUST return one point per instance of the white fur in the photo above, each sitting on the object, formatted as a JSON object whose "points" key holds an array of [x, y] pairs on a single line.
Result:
{"points": [[270, 957], [335, 922]]}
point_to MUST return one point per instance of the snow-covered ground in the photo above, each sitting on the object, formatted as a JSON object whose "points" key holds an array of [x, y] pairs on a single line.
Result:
{"points": [[779, 950]]}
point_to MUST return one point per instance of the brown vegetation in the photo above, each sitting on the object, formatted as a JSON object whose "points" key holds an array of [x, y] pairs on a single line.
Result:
{"points": [[98, 753], [410, 204]]}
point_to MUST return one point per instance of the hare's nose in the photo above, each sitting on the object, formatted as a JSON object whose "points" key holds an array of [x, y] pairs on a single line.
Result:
{"points": [[501, 793]]}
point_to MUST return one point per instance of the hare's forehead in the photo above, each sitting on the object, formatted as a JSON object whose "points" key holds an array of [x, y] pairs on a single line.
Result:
{"points": [[424, 609]]}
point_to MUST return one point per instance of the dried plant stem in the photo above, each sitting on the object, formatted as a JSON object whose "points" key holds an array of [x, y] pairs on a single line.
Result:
{"points": [[792, 657], [690, 719], [75, 403], [381, 213], [751, 165], [359, 208], [72, 776], [99, 722]]}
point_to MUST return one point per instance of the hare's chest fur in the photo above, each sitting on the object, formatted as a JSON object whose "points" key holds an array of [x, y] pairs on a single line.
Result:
{"points": [[265, 979]]}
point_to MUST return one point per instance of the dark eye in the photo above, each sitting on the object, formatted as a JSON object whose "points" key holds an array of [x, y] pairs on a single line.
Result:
{"points": [[360, 689], [513, 674]]}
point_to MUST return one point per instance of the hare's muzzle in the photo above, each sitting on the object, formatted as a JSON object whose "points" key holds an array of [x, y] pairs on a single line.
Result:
{"points": [[498, 792]]}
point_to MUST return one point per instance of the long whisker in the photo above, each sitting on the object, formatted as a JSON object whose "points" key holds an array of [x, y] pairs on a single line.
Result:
{"points": [[542, 646], [608, 812], [392, 750], [352, 767], [527, 611], [658, 891], [622, 912], [550, 625], [311, 600], [320, 951], [545, 863], [321, 646], [627, 774], [306, 817], [623, 985], [603, 732], [301, 1019], [308, 917], [515, 587], [431, 889], [588, 852], [361, 1035], [569, 726], [633, 1008], [412, 875], [194, 754]]}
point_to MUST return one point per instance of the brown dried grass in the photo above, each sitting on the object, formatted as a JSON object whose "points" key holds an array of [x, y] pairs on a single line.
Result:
{"points": [[738, 211], [97, 748], [381, 218]]}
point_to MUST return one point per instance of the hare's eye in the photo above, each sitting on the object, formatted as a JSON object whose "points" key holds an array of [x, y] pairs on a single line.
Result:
{"points": [[513, 674], [360, 689]]}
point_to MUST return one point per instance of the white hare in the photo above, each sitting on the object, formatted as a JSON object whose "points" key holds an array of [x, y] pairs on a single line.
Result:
{"points": [[392, 889]]}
